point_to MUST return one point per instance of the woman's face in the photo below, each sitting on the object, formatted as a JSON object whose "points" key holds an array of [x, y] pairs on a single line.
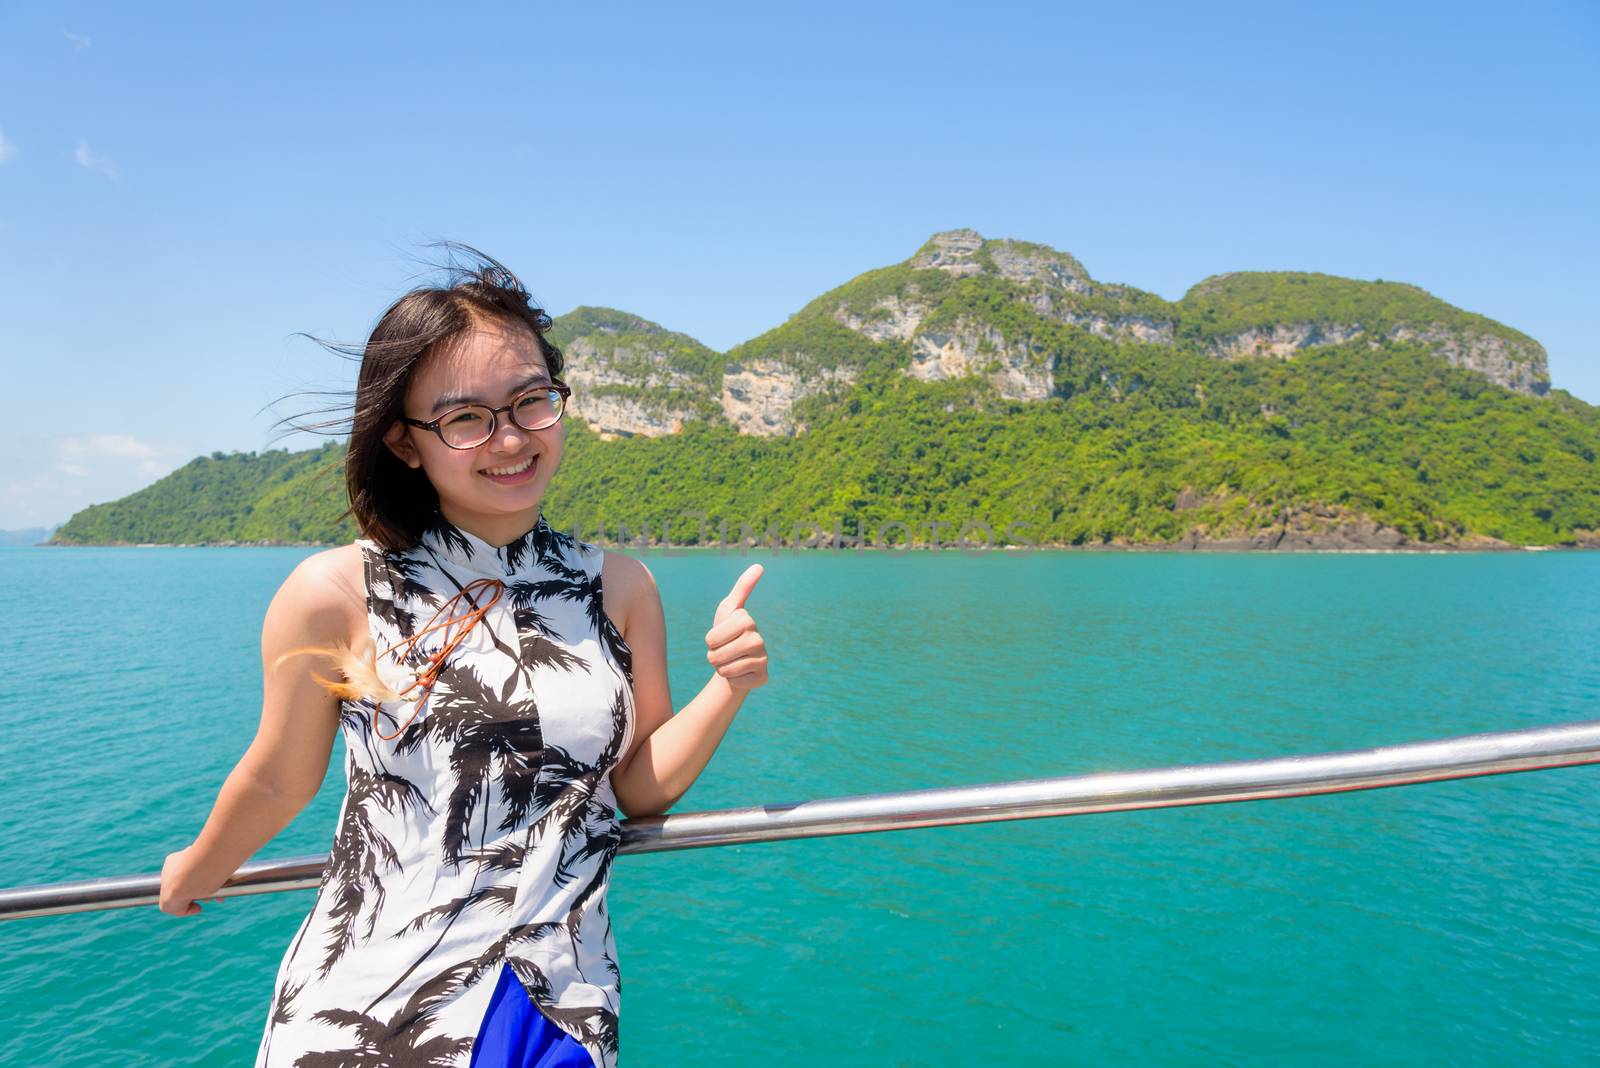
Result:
{"points": [[492, 490]]}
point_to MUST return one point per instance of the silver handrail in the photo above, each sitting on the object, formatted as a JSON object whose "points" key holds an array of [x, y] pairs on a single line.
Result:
{"points": [[1462, 757]]}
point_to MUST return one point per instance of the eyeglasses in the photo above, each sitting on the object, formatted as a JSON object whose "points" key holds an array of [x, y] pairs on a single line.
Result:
{"points": [[471, 425]]}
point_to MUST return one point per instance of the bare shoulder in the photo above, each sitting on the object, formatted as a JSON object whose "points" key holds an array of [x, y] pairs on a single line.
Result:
{"points": [[324, 596], [331, 575], [626, 583]]}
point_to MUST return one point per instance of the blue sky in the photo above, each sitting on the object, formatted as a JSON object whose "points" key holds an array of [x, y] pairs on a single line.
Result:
{"points": [[184, 187]]}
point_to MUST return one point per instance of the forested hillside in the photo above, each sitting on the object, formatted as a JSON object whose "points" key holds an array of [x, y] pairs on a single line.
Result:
{"points": [[226, 498], [996, 382]]}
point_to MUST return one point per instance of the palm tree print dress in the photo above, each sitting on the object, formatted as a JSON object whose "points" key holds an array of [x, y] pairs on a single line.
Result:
{"points": [[474, 845]]}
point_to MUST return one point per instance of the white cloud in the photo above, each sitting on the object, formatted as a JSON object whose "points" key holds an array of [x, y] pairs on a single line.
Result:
{"points": [[49, 482], [78, 41], [7, 149], [81, 454], [122, 445], [89, 160]]}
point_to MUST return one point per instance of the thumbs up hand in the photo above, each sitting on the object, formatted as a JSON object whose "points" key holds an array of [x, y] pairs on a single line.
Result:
{"points": [[733, 645]]}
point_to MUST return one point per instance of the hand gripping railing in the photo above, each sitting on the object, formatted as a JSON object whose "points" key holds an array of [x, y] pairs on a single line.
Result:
{"points": [[1202, 784]]}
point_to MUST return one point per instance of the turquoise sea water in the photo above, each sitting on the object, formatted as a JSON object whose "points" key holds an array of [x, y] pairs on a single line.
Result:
{"points": [[1450, 923]]}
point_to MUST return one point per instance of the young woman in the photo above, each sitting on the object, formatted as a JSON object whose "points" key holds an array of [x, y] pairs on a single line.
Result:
{"points": [[504, 690]]}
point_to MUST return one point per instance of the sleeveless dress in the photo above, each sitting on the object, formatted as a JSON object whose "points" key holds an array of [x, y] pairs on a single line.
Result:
{"points": [[461, 919]]}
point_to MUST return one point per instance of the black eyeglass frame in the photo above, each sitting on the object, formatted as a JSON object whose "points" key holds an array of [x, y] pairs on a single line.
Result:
{"points": [[437, 425]]}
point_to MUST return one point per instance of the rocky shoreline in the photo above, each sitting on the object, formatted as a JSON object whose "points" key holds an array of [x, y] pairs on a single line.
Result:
{"points": [[1270, 541], [1308, 528]]}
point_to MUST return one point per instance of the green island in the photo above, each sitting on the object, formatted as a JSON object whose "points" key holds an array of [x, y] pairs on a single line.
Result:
{"points": [[993, 384]]}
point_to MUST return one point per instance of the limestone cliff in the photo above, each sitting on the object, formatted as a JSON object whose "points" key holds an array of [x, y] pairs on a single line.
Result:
{"points": [[759, 396], [1233, 316], [1280, 313], [1051, 283], [1008, 312], [632, 376]]}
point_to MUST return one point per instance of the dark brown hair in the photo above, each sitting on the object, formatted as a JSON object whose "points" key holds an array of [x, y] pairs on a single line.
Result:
{"points": [[391, 502]]}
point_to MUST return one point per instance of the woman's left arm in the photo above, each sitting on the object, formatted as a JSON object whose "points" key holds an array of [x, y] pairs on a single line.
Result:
{"points": [[669, 751]]}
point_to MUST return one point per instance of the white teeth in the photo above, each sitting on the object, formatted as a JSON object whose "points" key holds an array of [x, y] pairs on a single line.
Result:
{"points": [[517, 470]]}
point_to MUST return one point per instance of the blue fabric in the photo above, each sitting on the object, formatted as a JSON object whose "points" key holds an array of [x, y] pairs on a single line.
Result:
{"points": [[515, 1034]]}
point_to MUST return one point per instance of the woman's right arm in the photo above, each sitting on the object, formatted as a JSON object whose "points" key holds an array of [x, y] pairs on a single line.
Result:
{"points": [[320, 604]]}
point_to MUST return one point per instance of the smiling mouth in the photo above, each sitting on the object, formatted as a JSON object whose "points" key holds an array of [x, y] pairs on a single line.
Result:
{"points": [[513, 472]]}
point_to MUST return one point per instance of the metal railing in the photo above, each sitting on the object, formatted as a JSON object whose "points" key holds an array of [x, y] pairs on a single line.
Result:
{"points": [[1470, 755]]}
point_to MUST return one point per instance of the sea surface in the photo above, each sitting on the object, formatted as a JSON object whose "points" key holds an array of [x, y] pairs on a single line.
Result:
{"points": [[1449, 923]]}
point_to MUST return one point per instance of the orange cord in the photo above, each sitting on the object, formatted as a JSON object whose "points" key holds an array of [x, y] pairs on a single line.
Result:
{"points": [[430, 674]]}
